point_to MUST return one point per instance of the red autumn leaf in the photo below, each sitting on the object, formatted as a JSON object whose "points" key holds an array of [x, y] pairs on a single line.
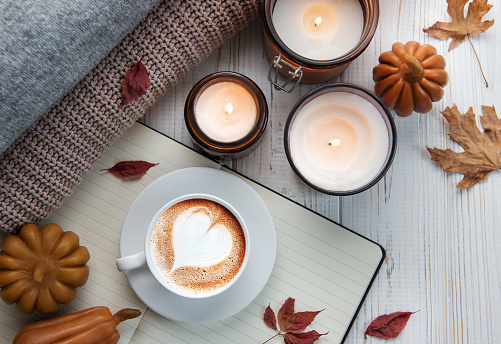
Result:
{"points": [[135, 83], [269, 318], [299, 321], [291, 324], [285, 312], [302, 338], [125, 169], [388, 326]]}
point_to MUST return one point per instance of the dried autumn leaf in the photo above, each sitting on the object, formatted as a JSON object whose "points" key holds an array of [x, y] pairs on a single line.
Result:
{"points": [[135, 83], [132, 168], [299, 321], [482, 153], [285, 312], [460, 26], [291, 324], [388, 326], [302, 338], [269, 318]]}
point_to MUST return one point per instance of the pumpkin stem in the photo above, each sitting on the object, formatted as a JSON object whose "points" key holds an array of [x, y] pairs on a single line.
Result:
{"points": [[125, 314], [40, 271], [412, 69]]}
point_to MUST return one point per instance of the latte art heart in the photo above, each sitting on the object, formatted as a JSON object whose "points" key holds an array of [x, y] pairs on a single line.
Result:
{"points": [[198, 245], [198, 241]]}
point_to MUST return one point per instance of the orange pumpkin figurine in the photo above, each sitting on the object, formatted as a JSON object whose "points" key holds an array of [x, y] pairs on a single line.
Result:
{"points": [[94, 325], [410, 78], [41, 268]]}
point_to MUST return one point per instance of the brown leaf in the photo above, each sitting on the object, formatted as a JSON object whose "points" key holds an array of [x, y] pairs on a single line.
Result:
{"points": [[269, 318], [302, 338], [299, 321], [125, 169], [482, 153], [135, 83], [460, 26], [388, 326], [285, 312]]}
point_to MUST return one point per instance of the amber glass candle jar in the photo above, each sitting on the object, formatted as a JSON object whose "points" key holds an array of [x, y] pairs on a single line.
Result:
{"points": [[311, 70], [340, 139], [226, 115]]}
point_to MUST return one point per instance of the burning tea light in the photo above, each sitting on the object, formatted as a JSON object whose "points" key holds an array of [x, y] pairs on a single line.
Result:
{"points": [[226, 113], [340, 139], [319, 30]]}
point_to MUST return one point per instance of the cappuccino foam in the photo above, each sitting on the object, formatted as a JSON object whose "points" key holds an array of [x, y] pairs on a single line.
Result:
{"points": [[198, 245]]}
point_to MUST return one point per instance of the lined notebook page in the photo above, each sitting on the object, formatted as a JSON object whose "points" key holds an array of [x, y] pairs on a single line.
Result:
{"points": [[319, 263], [95, 212]]}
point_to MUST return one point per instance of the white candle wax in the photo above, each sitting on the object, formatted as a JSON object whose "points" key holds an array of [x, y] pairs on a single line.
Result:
{"points": [[320, 29], [339, 141], [226, 111]]}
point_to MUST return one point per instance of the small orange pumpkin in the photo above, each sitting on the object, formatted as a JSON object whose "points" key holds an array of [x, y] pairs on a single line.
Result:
{"points": [[410, 77], [40, 268]]}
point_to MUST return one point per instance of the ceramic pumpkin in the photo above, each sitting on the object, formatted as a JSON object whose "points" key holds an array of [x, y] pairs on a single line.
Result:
{"points": [[94, 325], [410, 77], [41, 268]]}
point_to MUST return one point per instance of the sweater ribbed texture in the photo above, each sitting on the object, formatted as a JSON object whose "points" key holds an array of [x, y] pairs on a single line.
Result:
{"points": [[43, 166]]}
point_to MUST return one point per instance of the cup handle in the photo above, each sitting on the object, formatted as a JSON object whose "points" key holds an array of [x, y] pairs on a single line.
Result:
{"points": [[133, 261]]}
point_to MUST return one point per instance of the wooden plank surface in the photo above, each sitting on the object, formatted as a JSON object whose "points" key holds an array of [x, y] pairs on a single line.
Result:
{"points": [[443, 244]]}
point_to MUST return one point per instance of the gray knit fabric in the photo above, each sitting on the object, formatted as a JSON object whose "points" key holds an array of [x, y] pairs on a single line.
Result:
{"points": [[46, 162], [47, 46]]}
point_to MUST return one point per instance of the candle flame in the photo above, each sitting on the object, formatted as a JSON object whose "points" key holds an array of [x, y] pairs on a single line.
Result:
{"points": [[317, 22], [335, 143], [228, 109]]}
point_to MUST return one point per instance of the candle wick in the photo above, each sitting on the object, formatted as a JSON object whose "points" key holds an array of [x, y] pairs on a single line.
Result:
{"points": [[335, 143], [317, 22], [228, 109]]}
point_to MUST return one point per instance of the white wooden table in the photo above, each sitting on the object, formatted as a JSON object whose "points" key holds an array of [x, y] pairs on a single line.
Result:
{"points": [[443, 245]]}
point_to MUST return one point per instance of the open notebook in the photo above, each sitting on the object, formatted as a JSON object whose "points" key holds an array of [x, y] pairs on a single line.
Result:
{"points": [[319, 263]]}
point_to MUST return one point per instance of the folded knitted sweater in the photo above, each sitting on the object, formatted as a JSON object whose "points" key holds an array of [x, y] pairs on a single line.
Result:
{"points": [[47, 46], [42, 167]]}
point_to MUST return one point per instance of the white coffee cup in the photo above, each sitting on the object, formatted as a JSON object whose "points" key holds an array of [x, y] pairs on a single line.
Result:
{"points": [[146, 258]]}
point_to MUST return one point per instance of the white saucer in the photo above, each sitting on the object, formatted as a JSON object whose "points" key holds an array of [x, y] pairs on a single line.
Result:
{"points": [[262, 243]]}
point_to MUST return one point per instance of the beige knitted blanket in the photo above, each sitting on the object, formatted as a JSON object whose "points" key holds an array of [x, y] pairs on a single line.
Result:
{"points": [[43, 165]]}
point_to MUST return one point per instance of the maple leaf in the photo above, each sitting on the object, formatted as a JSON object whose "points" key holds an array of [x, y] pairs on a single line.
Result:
{"points": [[462, 26], [135, 83], [291, 324], [482, 153], [124, 169], [388, 326]]}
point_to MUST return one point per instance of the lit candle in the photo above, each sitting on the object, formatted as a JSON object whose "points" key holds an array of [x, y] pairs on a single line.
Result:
{"points": [[339, 141], [226, 111], [226, 115], [321, 29], [313, 41]]}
